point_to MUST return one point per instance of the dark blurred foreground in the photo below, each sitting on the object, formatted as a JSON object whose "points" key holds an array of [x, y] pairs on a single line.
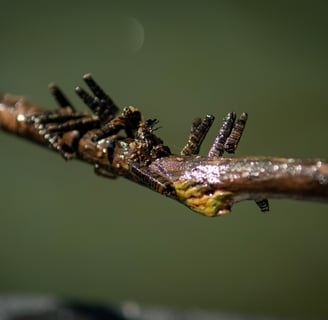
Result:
{"points": [[48, 308]]}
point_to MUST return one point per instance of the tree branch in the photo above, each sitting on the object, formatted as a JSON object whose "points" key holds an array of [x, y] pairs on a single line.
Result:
{"points": [[207, 185]]}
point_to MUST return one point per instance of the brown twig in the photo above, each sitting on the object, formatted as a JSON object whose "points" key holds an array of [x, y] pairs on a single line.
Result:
{"points": [[208, 185]]}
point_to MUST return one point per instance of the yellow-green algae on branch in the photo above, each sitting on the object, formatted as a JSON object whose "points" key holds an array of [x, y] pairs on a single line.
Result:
{"points": [[201, 200]]}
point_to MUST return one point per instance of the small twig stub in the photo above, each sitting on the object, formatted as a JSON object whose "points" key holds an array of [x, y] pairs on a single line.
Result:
{"points": [[124, 144]]}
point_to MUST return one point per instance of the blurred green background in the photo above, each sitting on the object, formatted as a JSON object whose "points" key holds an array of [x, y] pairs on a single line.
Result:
{"points": [[66, 232]]}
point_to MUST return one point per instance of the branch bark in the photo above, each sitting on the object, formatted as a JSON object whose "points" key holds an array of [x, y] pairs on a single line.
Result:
{"points": [[15, 109], [208, 186]]}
